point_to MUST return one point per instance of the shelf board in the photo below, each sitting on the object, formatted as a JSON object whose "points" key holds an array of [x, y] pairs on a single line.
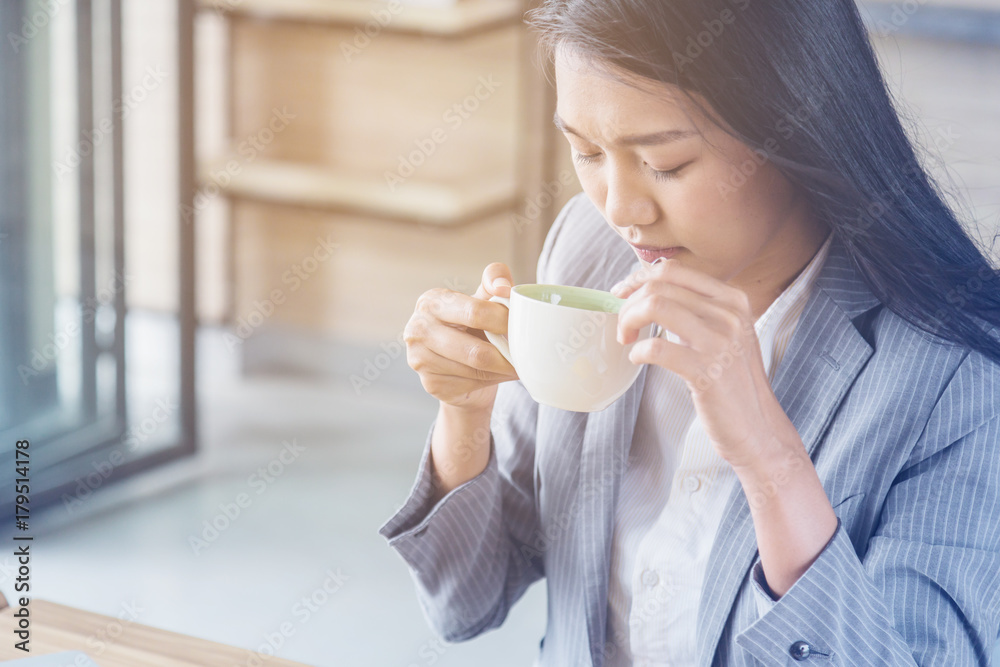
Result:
{"points": [[312, 186], [454, 20]]}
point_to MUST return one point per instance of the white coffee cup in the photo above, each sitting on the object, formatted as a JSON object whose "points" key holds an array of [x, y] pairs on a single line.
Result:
{"points": [[562, 341]]}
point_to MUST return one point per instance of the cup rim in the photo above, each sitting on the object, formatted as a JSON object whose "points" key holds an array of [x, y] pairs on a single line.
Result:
{"points": [[604, 293]]}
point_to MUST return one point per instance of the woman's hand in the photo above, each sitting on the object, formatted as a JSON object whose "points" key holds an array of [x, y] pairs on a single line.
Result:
{"points": [[446, 346], [718, 355]]}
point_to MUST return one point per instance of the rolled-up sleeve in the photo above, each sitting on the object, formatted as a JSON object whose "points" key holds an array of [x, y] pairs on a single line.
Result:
{"points": [[927, 590], [413, 516], [464, 551], [450, 548]]}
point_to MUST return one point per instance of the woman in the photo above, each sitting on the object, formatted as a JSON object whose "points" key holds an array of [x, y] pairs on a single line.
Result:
{"points": [[811, 471]]}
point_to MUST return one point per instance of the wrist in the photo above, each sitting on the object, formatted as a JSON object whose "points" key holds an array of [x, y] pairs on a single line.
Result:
{"points": [[460, 446], [465, 414], [776, 465], [775, 445]]}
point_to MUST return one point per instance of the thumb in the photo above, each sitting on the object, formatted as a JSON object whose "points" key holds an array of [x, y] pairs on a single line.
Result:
{"points": [[497, 281]]}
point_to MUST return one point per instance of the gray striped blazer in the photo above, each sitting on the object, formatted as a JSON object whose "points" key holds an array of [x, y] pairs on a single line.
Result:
{"points": [[903, 430]]}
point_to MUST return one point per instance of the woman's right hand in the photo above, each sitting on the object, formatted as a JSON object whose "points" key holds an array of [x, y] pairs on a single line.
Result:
{"points": [[446, 346]]}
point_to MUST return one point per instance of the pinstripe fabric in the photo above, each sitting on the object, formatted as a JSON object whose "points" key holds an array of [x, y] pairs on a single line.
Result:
{"points": [[904, 432], [671, 502]]}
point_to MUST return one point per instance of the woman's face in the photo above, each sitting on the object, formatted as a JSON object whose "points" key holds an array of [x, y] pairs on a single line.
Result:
{"points": [[664, 178]]}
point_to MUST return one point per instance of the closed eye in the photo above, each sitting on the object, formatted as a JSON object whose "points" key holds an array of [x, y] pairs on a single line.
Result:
{"points": [[585, 158], [669, 173], [658, 174]]}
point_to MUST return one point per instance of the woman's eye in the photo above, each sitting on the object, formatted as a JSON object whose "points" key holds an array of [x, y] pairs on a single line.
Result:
{"points": [[663, 175], [585, 158]]}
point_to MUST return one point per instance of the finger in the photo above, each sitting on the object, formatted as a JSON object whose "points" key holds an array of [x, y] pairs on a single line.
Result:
{"points": [[497, 281], [663, 303], [677, 358], [426, 360], [671, 270], [466, 349], [462, 310], [672, 315]]}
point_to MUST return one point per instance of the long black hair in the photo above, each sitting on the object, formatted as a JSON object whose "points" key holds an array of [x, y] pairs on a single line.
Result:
{"points": [[798, 82]]}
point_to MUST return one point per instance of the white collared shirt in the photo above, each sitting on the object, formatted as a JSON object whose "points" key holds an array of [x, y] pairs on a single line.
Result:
{"points": [[671, 501]]}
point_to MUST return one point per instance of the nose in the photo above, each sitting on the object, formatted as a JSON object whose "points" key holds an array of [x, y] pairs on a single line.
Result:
{"points": [[626, 202]]}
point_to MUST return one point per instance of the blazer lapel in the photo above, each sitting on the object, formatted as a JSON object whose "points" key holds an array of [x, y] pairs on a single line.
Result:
{"points": [[606, 443], [825, 356]]}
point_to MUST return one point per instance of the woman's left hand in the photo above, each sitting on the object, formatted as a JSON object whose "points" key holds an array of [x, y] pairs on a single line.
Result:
{"points": [[718, 355]]}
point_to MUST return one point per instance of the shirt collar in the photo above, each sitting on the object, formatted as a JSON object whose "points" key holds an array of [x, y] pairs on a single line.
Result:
{"points": [[778, 323]]}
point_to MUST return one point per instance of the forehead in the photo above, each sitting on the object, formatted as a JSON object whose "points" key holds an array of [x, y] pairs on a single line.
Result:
{"points": [[609, 102]]}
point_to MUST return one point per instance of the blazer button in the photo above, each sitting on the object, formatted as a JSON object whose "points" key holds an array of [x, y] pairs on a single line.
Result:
{"points": [[800, 650]]}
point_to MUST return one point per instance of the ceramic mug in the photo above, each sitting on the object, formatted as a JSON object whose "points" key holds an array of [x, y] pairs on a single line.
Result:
{"points": [[562, 341]]}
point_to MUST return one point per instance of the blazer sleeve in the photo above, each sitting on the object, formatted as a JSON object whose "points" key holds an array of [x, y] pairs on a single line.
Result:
{"points": [[470, 554], [927, 591]]}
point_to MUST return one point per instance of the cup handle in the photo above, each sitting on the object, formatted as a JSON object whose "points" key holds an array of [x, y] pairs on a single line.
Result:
{"points": [[499, 341]]}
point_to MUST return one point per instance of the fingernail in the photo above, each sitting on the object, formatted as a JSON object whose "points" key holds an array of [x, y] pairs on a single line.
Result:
{"points": [[500, 282], [658, 260], [617, 288]]}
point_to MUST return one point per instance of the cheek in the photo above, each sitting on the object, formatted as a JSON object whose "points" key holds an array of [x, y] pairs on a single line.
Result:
{"points": [[739, 197], [697, 209], [719, 225]]}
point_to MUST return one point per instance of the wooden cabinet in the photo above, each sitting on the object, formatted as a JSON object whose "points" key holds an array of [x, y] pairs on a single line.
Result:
{"points": [[377, 150]]}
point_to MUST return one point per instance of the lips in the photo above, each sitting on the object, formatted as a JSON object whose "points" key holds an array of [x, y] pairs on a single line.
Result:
{"points": [[649, 254]]}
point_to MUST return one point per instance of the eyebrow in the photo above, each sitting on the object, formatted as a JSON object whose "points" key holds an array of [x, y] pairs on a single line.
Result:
{"points": [[651, 139]]}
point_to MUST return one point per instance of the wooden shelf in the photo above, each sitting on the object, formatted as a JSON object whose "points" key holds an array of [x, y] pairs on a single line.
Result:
{"points": [[455, 20], [319, 187]]}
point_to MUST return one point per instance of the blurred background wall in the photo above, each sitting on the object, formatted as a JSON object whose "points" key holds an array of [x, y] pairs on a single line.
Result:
{"points": [[417, 191]]}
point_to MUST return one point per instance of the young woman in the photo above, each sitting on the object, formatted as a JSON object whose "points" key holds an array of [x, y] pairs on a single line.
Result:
{"points": [[811, 472]]}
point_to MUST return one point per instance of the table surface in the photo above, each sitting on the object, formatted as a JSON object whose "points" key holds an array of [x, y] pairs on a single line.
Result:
{"points": [[56, 628]]}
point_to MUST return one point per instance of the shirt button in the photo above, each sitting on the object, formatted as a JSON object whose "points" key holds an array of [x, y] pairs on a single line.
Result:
{"points": [[649, 578], [800, 650], [691, 483]]}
